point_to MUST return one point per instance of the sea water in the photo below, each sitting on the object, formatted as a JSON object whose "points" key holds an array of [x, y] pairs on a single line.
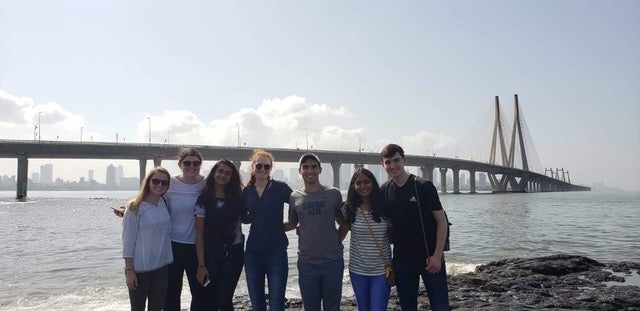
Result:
{"points": [[62, 250]]}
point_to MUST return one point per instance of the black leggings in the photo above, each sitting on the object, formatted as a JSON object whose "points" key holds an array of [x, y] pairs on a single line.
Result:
{"points": [[184, 260], [224, 264], [152, 285]]}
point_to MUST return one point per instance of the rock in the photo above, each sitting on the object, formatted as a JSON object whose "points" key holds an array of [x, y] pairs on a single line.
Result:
{"points": [[558, 282]]}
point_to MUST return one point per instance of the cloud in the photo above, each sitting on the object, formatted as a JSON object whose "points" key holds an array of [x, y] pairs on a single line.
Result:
{"points": [[20, 117], [289, 122]]}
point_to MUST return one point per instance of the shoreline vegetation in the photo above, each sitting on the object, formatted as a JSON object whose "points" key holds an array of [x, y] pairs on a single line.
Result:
{"points": [[557, 282]]}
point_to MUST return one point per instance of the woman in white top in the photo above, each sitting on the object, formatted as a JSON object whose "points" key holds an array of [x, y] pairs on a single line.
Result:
{"points": [[182, 196], [146, 243], [370, 249]]}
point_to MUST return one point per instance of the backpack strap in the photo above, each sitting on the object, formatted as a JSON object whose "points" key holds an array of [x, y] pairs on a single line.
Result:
{"points": [[424, 235]]}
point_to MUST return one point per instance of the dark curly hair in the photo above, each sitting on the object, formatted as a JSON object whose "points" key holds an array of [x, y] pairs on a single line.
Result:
{"points": [[354, 199]]}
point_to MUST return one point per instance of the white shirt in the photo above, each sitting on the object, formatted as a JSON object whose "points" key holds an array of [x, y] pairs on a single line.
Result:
{"points": [[146, 236], [182, 204]]}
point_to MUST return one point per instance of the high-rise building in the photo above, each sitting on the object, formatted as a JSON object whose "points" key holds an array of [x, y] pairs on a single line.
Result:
{"points": [[46, 173], [91, 176], [119, 175], [111, 175]]}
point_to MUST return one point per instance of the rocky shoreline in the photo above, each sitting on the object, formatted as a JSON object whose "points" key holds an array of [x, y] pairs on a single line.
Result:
{"points": [[558, 282]]}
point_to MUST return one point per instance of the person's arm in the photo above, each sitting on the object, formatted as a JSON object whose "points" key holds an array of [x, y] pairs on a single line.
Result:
{"points": [[202, 269], [292, 219], [129, 274], [434, 262], [130, 226], [341, 219]]}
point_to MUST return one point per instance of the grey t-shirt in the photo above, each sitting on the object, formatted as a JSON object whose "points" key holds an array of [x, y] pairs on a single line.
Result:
{"points": [[315, 212]]}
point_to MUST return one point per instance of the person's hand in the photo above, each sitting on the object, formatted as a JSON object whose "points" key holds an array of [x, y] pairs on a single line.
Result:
{"points": [[201, 273], [119, 211], [132, 280], [434, 263]]}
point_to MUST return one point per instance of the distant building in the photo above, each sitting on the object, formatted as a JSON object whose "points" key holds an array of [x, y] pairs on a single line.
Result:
{"points": [[46, 174], [111, 175], [91, 176], [119, 175], [35, 177]]}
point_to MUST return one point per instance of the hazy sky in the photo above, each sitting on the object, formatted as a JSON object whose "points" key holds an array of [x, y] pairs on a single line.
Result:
{"points": [[336, 73]]}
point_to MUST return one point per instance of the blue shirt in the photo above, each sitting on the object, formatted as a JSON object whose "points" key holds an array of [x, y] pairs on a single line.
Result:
{"points": [[267, 215]]}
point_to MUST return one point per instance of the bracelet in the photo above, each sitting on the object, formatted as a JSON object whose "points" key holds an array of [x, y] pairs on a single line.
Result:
{"points": [[130, 269]]}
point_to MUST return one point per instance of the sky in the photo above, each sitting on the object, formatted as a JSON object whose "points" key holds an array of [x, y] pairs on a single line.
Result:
{"points": [[337, 75]]}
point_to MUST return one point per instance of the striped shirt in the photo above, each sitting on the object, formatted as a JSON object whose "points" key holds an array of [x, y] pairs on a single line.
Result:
{"points": [[364, 256]]}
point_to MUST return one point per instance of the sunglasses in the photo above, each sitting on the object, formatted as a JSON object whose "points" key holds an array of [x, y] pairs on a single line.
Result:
{"points": [[259, 166], [188, 163], [156, 181]]}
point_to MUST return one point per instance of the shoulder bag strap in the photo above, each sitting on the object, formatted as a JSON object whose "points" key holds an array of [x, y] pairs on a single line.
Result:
{"points": [[374, 237]]}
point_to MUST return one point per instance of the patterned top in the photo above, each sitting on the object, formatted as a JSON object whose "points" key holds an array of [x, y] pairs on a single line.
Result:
{"points": [[364, 256]]}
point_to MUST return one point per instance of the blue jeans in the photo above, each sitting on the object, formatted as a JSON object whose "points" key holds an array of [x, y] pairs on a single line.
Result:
{"points": [[321, 283], [372, 292], [407, 278], [275, 265]]}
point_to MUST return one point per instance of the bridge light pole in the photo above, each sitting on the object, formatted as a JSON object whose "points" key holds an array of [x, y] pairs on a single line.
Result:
{"points": [[359, 143], [306, 134], [39, 127], [149, 118], [81, 128], [238, 124]]}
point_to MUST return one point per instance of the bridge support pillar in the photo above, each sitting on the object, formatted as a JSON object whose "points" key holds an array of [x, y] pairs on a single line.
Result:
{"points": [[456, 180], [472, 181], [23, 178], [335, 166], [443, 179], [427, 172], [143, 169], [157, 161]]}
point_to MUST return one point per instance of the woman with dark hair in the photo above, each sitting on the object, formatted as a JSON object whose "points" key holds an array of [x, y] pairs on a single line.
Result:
{"points": [[219, 239], [370, 250], [266, 254], [146, 242]]}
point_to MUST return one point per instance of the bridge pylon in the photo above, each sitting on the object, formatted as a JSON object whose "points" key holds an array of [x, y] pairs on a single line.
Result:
{"points": [[508, 160]]}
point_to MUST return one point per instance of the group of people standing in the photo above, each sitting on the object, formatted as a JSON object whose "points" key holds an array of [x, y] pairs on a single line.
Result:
{"points": [[191, 223]]}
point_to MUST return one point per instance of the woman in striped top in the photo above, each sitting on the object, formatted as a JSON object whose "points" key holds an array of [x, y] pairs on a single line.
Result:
{"points": [[370, 248]]}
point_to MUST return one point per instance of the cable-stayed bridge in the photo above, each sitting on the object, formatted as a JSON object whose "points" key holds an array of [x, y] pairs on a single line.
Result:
{"points": [[507, 167]]}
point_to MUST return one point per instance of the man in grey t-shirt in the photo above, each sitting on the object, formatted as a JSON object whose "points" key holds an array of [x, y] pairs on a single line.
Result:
{"points": [[316, 209]]}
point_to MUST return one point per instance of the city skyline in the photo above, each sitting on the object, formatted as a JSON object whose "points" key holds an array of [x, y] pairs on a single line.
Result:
{"points": [[332, 75]]}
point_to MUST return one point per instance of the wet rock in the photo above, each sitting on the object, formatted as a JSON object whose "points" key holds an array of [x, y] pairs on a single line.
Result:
{"points": [[558, 282]]}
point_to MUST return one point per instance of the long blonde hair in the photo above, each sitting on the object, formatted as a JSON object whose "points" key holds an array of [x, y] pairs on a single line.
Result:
{"points": [[134, 203], [256, 154]]}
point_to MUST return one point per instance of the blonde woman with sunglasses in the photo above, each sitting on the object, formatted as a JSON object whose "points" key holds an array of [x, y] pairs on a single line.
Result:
{"points": [[146, 242]]}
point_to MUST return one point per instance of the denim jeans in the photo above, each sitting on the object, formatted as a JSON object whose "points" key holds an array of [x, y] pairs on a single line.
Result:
{"points": [[275, 265], [407, 278], [321, 283], [184, 260], [372, 292]]}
